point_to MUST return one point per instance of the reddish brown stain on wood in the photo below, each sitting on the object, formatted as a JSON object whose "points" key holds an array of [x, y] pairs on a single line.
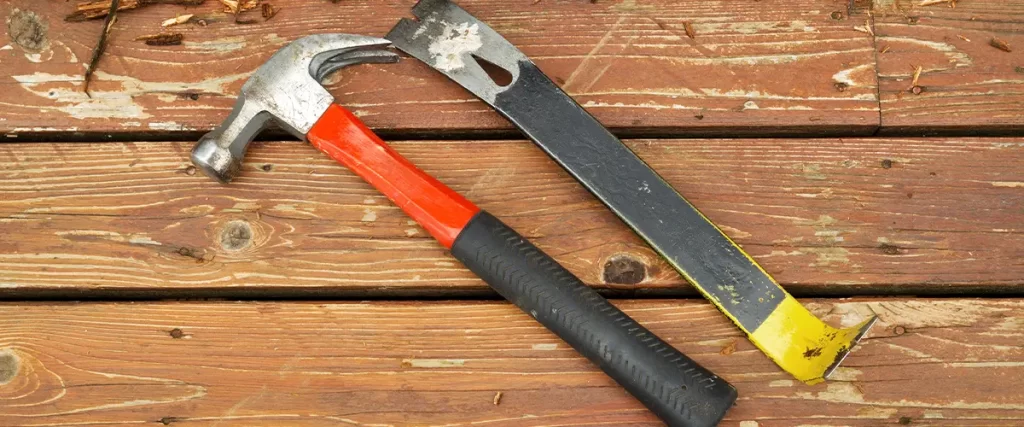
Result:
{"points": [[315, 363], [820, 215]]}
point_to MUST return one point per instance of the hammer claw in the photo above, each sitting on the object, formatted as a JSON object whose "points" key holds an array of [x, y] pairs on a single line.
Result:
{"points": [[342, 60]]}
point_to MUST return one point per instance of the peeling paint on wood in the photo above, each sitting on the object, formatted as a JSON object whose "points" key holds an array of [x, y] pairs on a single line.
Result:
{"points": [[620, 61]]}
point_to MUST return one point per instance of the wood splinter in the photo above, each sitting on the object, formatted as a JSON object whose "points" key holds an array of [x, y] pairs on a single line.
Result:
{"points": [[99, 9], [172, 39], [101, 45], [180, 19], [688, 28], [999, 44], [866, 28], [268, 11], [917, 75], [237, 7]]}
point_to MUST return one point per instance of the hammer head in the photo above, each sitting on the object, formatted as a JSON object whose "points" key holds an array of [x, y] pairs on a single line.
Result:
{"points": [[285, 90]]}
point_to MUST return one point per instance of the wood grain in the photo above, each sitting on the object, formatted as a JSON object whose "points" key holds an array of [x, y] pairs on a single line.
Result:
{"points": [[966, 85], [928, 362], [768, 67], [824, 216]]}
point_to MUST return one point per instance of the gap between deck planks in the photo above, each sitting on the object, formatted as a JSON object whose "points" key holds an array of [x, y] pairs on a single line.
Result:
{"points": [[766, 68], [834, 217], [927, 363], [966, 85]]}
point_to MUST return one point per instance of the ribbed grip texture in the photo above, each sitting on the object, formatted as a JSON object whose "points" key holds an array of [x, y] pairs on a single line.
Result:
{"points": [[674, 387]]}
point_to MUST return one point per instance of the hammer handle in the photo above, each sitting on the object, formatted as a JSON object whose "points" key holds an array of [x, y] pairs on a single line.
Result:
{"points": [[439, 209], [674, 387], [670, 384]]}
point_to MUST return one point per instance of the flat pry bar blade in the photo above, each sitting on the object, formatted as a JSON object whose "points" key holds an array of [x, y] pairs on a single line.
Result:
{"points": [[450, 40]]}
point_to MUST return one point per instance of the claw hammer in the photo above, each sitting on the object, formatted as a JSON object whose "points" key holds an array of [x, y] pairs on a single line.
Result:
{"points": [[287, 90]]}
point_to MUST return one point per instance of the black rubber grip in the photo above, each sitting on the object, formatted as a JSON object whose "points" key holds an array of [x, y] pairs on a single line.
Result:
{"points": [[674, 387]]}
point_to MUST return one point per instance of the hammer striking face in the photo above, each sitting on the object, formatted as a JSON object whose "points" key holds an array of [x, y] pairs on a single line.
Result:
{"points": [[287, 90]]}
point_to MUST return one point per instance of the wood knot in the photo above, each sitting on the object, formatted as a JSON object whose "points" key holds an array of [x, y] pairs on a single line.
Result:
{"points": [[236, 235], [176, 333], [28, 30], [190, 170], [624, 269], [899, 330], [886, 164], [904, 420], [840, 86], [267, 167], [9, 365], [836, 15], [916, 90]]}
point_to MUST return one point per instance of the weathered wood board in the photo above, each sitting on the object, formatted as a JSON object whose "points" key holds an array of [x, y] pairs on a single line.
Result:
{"points": [[966, 85], [774, 66], [824, 216], [927, 363]]}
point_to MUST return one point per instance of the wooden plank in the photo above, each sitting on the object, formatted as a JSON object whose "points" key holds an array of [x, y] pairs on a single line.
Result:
{"points": [[825, 217], [966, 85], [774, 66], [928, 362]]}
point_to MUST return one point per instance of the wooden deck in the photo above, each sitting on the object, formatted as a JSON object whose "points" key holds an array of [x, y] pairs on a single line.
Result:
{"points": [[133, 290]]}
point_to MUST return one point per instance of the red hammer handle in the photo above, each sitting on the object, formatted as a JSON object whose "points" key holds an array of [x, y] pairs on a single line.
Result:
{"points": [[439, 209]]}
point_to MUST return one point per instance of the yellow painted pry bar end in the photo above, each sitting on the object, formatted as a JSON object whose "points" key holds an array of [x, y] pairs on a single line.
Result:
{"points": [[802, 344]]}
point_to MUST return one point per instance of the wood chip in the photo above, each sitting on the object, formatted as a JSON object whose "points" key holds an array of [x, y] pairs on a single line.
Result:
{"points": [[884, 49], [932, 2], [238, 6], [999, 44], [497, 398], [99, 9], [688, 27], [180, 19], [230, 5], [268, 11], [866, 28], [961, 37], [172, 39]]}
